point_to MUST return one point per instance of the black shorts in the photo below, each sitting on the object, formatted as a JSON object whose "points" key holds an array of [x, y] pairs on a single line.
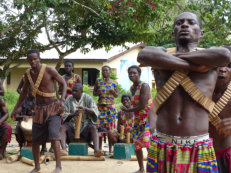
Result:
{"points": [[49, 131], [85, 134]]}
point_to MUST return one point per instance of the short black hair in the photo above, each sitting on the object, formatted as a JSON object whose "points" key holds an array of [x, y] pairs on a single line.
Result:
{"points": [[78, 85], [124, 96], [136, 67], [69, 61], [198, 18], [33, 51], [106, 66]]}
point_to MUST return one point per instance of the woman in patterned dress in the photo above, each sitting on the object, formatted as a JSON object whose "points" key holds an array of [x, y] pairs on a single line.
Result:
{"points": [[142, 104], [70, 77], [106, 89]]}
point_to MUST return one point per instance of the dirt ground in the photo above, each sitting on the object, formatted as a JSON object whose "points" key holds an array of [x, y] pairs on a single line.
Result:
{"points": [[110, 165]]}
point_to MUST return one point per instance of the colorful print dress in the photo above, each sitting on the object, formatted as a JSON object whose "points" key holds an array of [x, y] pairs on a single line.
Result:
{"points": [[70, 82], [106, 105], [140, 133]]}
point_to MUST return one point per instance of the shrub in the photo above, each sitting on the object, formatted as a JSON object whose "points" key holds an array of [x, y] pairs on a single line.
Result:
{"points": [[11, 98]]}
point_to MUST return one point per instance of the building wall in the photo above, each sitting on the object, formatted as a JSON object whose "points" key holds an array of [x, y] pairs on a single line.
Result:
{"points": [[16, 74], [115, 64]]}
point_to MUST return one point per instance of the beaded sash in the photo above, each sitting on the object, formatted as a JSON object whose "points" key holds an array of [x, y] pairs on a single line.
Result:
{"points": [[37, 83]]}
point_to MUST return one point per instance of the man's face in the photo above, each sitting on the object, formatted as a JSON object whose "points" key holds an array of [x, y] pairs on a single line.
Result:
{"points": [[68, 67], [187, 29], [33, 60], [224, 74], [76, 92]]}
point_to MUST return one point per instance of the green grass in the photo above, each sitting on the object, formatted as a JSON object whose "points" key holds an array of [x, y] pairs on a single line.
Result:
{"points": [[11, 98]]}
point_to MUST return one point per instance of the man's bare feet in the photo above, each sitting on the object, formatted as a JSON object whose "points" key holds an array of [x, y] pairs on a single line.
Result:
{"points": [[98, 153], [63, 153], [57, 170], [35, 170]]}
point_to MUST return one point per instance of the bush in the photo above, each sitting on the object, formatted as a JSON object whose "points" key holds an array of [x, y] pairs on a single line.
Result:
{"points": [[11, 98]]}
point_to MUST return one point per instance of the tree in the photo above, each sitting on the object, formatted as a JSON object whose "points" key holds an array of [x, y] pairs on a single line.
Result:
{"points": [[19, 30], [215, 16], [83, 24]]}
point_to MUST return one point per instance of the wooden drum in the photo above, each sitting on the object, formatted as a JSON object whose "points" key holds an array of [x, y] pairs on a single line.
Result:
{"points": [[27, 131]]}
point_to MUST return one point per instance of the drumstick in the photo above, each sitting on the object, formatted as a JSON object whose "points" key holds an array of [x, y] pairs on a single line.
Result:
{"points": [[121, 132], [128, 138], [78, 124]]}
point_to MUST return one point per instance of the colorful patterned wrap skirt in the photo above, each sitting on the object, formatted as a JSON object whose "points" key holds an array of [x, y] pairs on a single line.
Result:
{"points": [[181, 155], [140, 135], [107, 117]]}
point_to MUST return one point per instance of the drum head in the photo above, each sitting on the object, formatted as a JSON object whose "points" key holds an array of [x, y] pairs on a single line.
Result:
{"points": [[27, 125]]}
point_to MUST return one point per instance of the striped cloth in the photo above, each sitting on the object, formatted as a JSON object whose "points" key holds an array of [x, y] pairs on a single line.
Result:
{"points": [[140, 133], [165, 157]]}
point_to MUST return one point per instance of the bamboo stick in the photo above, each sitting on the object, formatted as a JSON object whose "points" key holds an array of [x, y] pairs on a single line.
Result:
{"points": [[27, 161], [128, 138], [121, 132], [42, 159], [12, 158], [48, 158], [78, 124], [83, 158]]}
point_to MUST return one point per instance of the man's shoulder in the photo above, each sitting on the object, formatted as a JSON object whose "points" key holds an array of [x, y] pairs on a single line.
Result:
{"points": [[49, 68], [87, 96], [69, 98]]}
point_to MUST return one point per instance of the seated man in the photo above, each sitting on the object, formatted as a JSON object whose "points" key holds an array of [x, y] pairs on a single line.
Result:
{"points": [[125, 119], [27, 110], [79, 100], [5, 129]]}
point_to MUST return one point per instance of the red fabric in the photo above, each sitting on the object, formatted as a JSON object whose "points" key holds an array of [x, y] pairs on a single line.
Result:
{"points": [[9, 132]]}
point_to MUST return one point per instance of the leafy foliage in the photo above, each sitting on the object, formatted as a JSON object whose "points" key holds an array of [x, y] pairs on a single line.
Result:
{"points": [[10, 97], [71, 25]]}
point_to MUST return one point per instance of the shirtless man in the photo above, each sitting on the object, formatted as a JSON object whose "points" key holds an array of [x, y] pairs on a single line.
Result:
{"points": [[222, 136], [27, 110], [47, 120], [181, 106], [5, 129]]}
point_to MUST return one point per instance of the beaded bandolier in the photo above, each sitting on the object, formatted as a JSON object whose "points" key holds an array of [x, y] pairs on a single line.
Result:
{"points": [[219, 106], [35, 85], [181, 78]]}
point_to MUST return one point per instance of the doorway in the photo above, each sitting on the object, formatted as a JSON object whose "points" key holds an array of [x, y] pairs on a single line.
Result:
{"points": [[89, 76]]}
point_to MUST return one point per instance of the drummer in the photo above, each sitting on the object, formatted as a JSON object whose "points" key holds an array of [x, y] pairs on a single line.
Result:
{"points": [[88, 131], [27, 110]]}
